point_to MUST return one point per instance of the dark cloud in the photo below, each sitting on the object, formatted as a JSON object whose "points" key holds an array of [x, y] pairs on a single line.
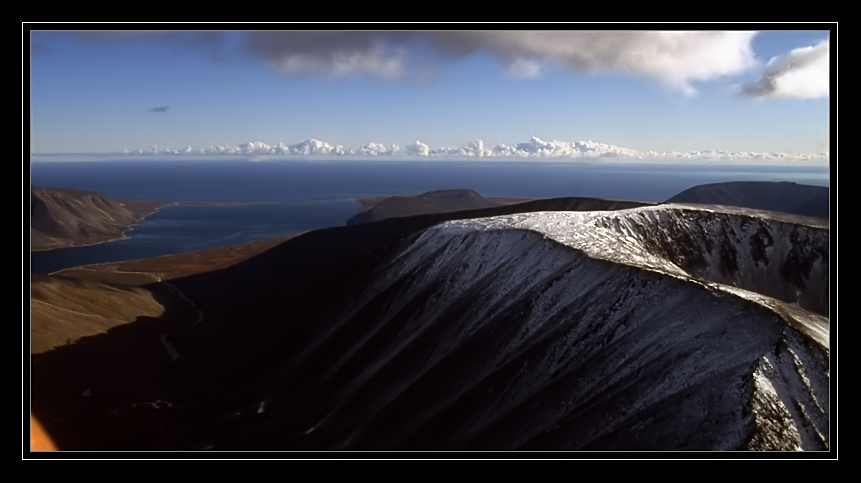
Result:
{"points": [[800, 73], [676, 58], [159, 109]]}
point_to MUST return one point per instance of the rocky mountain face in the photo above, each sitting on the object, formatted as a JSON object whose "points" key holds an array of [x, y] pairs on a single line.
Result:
{"points": [[645, 327], [779, 256]]}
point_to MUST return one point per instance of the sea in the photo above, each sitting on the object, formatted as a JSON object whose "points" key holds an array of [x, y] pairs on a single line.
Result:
{"points": [[309, 193]]}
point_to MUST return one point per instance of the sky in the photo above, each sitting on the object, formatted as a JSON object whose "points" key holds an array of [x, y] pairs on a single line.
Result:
{"points": [[743, 94]]}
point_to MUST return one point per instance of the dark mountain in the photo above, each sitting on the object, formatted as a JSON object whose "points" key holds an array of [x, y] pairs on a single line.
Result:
{"points": [[532, 326], [816, 207], [65, 217], [781, 196], [442, 201]]}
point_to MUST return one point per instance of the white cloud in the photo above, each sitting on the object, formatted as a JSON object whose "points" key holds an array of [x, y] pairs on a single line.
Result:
{"points": [[800, 73], [675, 58], [377, 149], [537, 148], [418, 149]]}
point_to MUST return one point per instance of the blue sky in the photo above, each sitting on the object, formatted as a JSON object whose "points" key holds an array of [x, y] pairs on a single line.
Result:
{"points": [[759, 92]]}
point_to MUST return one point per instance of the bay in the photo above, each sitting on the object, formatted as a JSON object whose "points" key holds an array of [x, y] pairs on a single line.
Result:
{"points": [[308, 194]]}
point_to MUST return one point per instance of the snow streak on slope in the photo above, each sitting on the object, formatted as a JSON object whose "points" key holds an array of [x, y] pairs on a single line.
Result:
{"points": [[791, 402], [492, 333]]}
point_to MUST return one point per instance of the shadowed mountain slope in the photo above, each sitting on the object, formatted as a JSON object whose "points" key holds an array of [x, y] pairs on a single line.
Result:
{"points": [[818, 206], [501, 328], [781, 196], [166, 267], [102, 356], [442, 201], [65, 217], [63, 310]]}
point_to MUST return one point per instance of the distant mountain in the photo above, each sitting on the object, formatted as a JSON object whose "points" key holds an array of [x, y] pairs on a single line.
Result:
{"points": [[535, 326], [818, 206], [784, 196], [65, 217], [441, 201], [456, 200]]}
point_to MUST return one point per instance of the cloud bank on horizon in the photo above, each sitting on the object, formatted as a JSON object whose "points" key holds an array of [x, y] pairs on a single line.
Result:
{"points": [[534, 148]]}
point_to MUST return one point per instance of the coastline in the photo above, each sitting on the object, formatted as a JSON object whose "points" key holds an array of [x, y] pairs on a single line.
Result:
{"points": [[166, 267], [142, 209], [146, 208]]}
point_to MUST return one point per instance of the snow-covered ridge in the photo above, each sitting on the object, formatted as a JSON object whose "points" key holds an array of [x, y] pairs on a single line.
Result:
{"points": [[777, 259], [534, 148]]}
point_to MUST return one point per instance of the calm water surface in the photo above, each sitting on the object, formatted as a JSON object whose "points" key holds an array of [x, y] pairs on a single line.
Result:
{"points": [[322, 192]]}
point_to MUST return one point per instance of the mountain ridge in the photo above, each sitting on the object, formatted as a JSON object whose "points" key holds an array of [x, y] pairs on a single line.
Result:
{"points": [[458, 331], [554, 324]]}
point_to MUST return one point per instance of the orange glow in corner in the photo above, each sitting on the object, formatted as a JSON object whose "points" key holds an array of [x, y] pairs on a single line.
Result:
{"points": [[39, 440]]}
